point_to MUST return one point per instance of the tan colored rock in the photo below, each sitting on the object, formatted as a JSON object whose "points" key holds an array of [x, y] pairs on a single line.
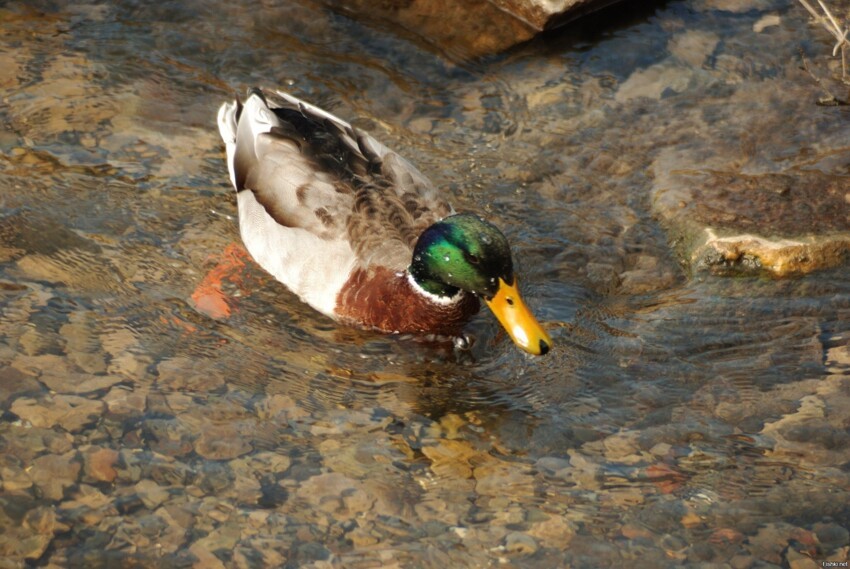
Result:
{"points": [[502, 478], [188, 374], [67, 98], [281, 408], [27, 540], [88, 506], [173, 536], [693, 46], [76, 268], [632, 531], [838, 358], [472, 28], [14, 383], [151, 493], [623, 447], [119, 344], [271, 554], [781, 257], [432, 509], [556, 531], [205, 558], [268, 461], [389, 499], [52, 473], [14, 479], [361, 538], [222, 442], [9, 62], [520, 543], [124, 402], [734, 6], [358, 502], [41, 520], [450, 458], [54, 372], [82, 345], [628, 497], [325, 491], [70, 412], [652, 82], [726, 220], [99, 463], [797, 560]]}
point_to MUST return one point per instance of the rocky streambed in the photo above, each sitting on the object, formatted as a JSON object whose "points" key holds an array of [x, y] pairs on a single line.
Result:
{"points": [[677, 200]]}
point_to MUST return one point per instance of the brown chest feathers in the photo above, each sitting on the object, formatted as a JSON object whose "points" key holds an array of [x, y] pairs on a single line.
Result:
{"points": [[385, 300]]}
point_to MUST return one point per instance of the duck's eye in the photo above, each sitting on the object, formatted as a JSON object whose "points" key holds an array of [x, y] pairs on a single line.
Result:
{"points": [[473, 259]]}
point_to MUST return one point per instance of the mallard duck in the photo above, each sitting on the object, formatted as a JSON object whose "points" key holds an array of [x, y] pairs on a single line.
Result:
{"points": [[357, 232]]}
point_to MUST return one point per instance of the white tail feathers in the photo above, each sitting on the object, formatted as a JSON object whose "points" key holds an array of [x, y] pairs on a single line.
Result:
{"points": [[227, 128]]}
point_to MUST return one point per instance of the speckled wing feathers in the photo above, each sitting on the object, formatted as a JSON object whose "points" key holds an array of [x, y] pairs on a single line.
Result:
{"points": [[321, 201], [285, 179], [380, 199]]}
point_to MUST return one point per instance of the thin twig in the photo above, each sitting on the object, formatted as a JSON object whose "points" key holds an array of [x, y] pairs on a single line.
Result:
{"points": [[811, 10], [830, 100], [834, 28], [836, 31]]}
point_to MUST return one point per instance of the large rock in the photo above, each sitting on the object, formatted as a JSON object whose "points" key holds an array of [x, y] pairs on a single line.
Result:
{"points": [[471, 28], [784, 223]]}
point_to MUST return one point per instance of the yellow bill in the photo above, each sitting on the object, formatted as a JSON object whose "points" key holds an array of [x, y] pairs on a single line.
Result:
{"points": [[518, 320]]}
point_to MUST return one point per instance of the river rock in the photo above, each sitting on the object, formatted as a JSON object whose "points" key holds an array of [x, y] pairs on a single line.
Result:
{"points": [[123, 402], [222, 442], [54, 372], [81, 343], [797, 560], [451, 459], [188, 374], [87, 506], [654, 82], [53, 473], [496, 477], [73, 102], [27, 540], [169, 437], [520, 543], [325, 491], [13, 68], [730, 215], [472, 28], [555, 531], [832, 535], [14, 479], [436, 509], [99, 464], [204, 557], [14, 383], [70, 412], [838, 358]]}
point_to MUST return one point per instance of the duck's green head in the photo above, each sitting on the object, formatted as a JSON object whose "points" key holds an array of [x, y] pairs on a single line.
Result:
{"points": [[465, 252]]}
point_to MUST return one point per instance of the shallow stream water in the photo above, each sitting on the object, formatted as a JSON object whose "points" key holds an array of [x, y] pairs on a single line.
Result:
{"points": [[683, 419]]}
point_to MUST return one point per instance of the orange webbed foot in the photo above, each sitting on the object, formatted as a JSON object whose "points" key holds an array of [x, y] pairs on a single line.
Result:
{"points": [[208, 297]]}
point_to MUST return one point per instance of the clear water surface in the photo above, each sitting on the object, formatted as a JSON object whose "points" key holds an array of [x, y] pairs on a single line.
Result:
{"points": [[682, 420]]}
